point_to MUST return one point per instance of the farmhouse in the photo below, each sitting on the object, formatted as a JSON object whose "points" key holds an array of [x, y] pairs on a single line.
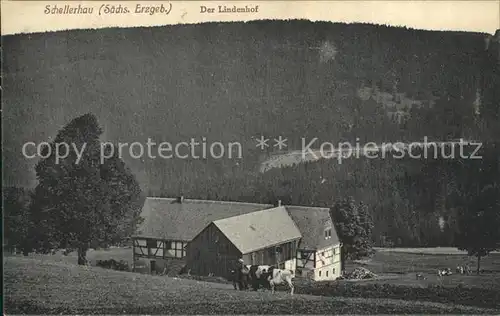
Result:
{"points": [[170, 223], [266, 237], [318, 253], [207, 237]]}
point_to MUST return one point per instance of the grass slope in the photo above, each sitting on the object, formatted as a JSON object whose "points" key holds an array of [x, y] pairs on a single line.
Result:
{"points": [[428, 251], [395, 265], [34, 286], [399, 262]]}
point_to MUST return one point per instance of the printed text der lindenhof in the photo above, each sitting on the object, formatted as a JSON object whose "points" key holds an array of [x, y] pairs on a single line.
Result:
{"points": [[229, 9]]}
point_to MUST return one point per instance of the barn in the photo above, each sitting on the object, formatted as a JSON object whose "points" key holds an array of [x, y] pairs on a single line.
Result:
{"points": [[171, 223], [268, 236], [319, 250]]}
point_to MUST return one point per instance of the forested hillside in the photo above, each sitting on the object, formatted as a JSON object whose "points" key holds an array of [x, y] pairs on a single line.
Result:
{"points": [[231, 81]]}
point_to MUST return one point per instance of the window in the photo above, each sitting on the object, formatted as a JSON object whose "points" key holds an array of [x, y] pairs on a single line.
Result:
{"points": [[179, 249], [333, 270], [327, 273], [151, 243], [319, 273], [328, 233]]}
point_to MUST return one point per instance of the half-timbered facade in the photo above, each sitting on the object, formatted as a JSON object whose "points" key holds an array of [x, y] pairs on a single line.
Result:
{"points": [[157, 248], [267, 237], [319, 250], [171, 223], [327, 263]]}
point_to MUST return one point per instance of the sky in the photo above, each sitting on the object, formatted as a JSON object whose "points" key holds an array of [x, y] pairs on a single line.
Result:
{"points": [[473, 16]]}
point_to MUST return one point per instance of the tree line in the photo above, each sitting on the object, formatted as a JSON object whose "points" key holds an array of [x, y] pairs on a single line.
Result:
{"points": [[384, 202]]}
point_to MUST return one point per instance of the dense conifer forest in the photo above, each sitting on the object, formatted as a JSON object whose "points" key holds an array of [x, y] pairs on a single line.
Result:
{"points": [[230, 82]]}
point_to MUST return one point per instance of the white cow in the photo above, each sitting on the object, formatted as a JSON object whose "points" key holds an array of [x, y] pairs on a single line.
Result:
{"points": [[443, 272], [279, 276], [260, 270], [270, 276]]}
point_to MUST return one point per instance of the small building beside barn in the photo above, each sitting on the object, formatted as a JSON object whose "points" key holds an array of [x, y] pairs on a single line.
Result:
{"points": [[319, 250], [268, 237]]}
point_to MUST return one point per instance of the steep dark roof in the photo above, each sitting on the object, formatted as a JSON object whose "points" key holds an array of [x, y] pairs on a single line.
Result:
{"points": [[166, 218], [311, 223]]}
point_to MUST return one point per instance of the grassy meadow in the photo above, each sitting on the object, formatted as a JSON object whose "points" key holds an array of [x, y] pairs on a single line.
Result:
{"points": [[55, 284], [35, 286]]}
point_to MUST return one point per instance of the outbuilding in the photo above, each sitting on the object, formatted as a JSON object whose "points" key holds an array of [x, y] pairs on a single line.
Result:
{"points": [[268, 237]]}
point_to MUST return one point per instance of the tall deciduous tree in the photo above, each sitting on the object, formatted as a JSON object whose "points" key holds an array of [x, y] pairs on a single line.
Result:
{"points": [[354, 225], [479, 205], [366, 223], [80, 201]]}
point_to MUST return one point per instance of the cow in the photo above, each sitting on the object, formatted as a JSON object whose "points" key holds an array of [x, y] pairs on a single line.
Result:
{"points": [[443, 272], [278, 276], [468, 269], [465, 269], [258, 275], [269, 277]]}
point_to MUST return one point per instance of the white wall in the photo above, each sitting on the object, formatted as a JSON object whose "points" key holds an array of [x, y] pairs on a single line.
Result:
{"points": [[327, 264], [291, 265]]}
